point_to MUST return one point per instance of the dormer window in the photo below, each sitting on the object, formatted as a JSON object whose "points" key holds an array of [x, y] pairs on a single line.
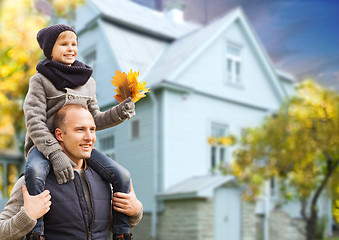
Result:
{"points": [[233, 64]]}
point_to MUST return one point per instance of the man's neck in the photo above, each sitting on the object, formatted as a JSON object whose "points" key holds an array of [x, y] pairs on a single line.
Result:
{"points": [[79, 164]]}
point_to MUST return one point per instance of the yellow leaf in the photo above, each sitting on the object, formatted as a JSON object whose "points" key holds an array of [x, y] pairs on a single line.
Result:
{"points": [[127, 85]]}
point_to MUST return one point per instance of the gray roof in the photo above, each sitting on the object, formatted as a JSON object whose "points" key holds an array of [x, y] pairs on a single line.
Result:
{"points": [[142, 19], [200, 186], [132, 51]]}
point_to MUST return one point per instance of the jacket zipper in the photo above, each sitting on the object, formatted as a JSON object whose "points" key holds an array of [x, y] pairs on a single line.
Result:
{"points": [[83, 212], [92, 206]]}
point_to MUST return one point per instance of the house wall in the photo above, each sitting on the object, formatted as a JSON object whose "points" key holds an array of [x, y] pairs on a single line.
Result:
{"points": [[137, 154], [187, 123]]}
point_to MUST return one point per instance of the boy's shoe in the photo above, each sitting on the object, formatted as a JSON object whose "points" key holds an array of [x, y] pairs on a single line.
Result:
{"points": [[125, 236], [35, 236]]}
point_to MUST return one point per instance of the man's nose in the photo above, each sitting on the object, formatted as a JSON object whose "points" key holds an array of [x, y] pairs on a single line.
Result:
{"points": [[88, 135]]}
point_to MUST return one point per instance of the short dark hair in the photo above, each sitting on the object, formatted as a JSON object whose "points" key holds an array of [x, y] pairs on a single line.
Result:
{"points": [[60, 115]]}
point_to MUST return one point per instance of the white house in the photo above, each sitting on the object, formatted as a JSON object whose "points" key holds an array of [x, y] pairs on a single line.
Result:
{"points": [[205, 81]]}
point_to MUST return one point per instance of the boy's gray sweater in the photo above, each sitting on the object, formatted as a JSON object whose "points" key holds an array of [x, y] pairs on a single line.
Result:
{"points": [[43, 100]]}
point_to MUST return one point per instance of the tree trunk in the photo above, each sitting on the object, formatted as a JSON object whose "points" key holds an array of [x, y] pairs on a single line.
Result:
{"points": [[311, 224], [311, 221]]}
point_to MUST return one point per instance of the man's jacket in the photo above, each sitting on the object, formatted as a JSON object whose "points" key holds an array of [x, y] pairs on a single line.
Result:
{"points": [[69, 216]]}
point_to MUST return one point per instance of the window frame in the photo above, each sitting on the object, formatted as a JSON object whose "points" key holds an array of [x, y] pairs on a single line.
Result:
{"points": [[217, 149], [232, 61]]}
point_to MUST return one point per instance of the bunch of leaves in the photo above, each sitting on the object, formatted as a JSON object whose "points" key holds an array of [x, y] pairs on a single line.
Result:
{"points": [[127, 85]]}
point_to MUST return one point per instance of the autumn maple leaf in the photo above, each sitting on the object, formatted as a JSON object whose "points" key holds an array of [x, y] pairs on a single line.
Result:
{"points": [[127, 85]]}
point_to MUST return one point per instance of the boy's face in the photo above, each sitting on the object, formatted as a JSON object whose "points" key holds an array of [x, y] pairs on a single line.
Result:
{"points": [[65, 49]]}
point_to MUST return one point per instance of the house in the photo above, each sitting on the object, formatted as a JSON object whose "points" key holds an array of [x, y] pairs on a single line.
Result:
{"points": [[205, 81]]}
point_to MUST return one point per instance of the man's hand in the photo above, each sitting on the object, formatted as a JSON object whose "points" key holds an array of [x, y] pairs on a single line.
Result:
{"points": [[36, 206], [127, 203]]}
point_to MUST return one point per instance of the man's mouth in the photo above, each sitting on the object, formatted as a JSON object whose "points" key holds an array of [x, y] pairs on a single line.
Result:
{"points": [[86, 146]]}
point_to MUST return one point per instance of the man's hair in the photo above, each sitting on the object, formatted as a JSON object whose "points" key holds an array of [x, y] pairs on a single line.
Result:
{"points": [[60, 115]]}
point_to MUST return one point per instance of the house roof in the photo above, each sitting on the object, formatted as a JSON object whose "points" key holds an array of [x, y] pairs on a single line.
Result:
{"points": [[196, 187], [142, 19], [132, 51]]}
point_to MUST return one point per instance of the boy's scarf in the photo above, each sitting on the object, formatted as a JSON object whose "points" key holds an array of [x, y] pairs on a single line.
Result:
{"points": [[63, 76]]}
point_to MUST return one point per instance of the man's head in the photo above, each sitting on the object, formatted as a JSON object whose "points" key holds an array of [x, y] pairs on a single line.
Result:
{"points": [[59, 43], [75, 130]]}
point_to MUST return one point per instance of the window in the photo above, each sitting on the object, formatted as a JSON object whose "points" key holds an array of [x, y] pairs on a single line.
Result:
{"points": [[135, 128], [233, 63], [107, 146], [90, 59], [218, 151]]}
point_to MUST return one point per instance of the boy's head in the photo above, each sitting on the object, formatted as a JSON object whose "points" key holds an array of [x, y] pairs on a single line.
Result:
{"points": [[48, 36]]}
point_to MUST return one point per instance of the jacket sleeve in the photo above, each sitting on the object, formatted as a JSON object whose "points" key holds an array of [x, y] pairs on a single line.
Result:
{"points": [[15, 223], [34, 107], [105, 119]]}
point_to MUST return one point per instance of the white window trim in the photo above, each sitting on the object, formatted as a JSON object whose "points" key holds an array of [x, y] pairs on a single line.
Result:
{"points": [[218, 147], [239, 59]]}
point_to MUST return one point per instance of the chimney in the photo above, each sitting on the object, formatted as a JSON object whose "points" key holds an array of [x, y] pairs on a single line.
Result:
{"points": [[175, 11]]}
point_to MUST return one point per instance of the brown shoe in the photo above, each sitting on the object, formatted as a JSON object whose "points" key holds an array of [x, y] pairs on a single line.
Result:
{"points": [[125, 236]]}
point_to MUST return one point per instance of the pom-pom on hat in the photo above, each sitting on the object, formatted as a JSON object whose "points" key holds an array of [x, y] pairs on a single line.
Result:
{"points": [[47, 37]]}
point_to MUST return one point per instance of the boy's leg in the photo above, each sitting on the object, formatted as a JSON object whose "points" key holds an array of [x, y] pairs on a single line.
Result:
{"points": [[37, 169], [119, 177]]}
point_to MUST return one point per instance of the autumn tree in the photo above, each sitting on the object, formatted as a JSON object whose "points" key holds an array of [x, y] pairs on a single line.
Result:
{"points": [[299, 145], [20, 21]]}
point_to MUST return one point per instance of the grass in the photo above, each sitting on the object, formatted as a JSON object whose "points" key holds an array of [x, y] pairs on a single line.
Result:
{"points": [[336, 238]]}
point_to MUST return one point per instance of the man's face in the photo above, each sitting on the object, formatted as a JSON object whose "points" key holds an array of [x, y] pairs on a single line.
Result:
{"points": [[77, 136]]}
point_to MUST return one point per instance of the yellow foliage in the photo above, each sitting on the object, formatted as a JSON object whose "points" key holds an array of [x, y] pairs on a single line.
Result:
{"points": [[19, 55], [127, 86]]}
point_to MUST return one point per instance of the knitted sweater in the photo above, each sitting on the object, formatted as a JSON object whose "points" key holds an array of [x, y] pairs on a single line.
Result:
{"points": [[43, 100], [15, 223]]}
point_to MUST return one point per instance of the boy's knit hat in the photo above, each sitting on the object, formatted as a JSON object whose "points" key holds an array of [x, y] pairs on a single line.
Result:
{"points": [[47, 37]]}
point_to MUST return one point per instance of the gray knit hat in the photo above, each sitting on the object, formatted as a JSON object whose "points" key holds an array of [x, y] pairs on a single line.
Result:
{"points": [[47, 37]]}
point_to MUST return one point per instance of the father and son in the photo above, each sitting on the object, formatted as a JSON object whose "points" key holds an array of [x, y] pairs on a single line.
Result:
{"points": [[74, 200]]}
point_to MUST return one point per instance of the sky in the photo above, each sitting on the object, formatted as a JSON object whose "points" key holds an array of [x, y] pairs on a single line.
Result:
{"points": [[300, 36]]}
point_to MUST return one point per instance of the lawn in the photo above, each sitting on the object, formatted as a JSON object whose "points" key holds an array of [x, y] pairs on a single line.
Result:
{"points": [[336, 238]]}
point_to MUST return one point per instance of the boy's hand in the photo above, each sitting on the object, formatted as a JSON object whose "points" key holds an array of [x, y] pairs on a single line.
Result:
{"points": [[127, 203], [36, 206], [126, 109], [62, 167]]}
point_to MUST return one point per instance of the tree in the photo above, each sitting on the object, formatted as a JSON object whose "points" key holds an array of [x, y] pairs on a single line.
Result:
{"points": [[299, 145], [19, 53]]}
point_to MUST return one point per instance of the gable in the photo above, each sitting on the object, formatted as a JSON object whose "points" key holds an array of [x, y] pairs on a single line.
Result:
{"points": [[200, 59]]}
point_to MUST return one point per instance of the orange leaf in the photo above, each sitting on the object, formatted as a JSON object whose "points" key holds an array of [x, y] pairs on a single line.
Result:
{"points": [[128, 86]]}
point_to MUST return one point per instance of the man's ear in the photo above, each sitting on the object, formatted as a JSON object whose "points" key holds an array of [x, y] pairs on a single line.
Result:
{"points": [[58, 134]]}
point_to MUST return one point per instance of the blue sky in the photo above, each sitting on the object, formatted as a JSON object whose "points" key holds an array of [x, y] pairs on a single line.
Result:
{"points": [[300, 36]]}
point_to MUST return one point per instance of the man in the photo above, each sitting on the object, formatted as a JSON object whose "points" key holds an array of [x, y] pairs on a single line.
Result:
{"points": [[79, 209]]}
